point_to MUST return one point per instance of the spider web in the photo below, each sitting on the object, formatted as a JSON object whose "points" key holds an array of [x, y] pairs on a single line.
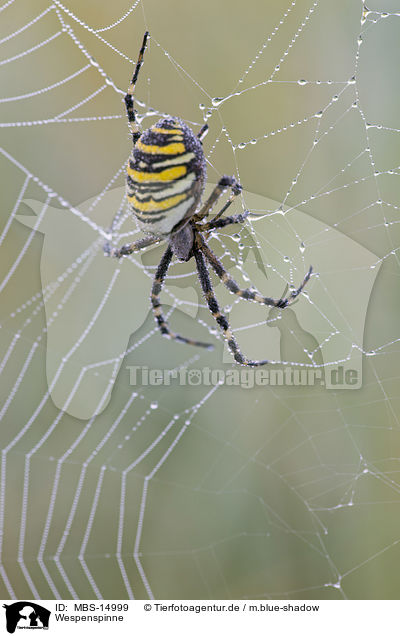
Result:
{"points": [[115, 487]]}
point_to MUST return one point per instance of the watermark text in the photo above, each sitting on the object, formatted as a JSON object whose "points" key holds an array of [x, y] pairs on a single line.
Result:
{"points": [[245, 378]]}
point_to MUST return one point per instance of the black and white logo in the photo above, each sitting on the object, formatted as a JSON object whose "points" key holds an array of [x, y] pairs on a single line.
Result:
{"points": [[26, 615]]}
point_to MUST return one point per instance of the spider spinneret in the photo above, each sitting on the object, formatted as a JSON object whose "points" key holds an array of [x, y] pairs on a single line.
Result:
{"points": [[166, 174]]}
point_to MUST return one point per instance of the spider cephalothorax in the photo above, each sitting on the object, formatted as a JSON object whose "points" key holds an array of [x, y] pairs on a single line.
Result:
{"points": [[165, 180]]}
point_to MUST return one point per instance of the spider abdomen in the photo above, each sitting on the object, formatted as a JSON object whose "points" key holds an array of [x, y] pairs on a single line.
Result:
{"points": [[165, 176]]}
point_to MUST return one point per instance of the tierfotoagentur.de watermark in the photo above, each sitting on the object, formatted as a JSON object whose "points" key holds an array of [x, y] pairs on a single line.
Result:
{"points": [[245, 378]]}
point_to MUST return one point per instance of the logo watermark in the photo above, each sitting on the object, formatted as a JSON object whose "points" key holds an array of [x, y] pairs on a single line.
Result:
{"points": [[26, 615], [83, 290], [245, 378]]}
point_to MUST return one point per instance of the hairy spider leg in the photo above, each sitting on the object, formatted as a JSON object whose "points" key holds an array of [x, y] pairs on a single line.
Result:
{"points": [[247, 294], [155, 301], [216, 312], [202, 132], [219, 223], [127, 249], [223, 184], [129, 103], [135, 129]]}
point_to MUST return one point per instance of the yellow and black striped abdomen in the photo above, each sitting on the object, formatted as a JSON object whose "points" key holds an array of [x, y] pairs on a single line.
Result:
{"points": [[165, 176]]}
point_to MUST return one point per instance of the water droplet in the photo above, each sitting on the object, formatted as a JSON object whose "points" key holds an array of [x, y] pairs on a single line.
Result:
{"points": [[202, 106], [302, 247], [154, 405], [365, 14], [352, 80], [319, 114], [217, 100], [301, 82], [253, 141], [241, 145]]}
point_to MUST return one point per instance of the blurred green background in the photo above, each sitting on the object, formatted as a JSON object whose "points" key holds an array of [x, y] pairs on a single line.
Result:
{"points": [[201, 492]]}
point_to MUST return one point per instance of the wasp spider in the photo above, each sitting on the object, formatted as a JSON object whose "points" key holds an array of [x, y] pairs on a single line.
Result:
{"points": [[166, 173]]}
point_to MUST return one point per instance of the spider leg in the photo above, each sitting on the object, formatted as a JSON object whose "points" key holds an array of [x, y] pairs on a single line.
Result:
{"points": [[219, 223], [127, 249], [155, 301], [216, 313], [247, 294], [129, 103], [202, 132], [222, 185]]}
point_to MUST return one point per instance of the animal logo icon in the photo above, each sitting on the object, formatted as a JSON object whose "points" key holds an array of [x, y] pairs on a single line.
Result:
{"points": [[26, 614]]}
